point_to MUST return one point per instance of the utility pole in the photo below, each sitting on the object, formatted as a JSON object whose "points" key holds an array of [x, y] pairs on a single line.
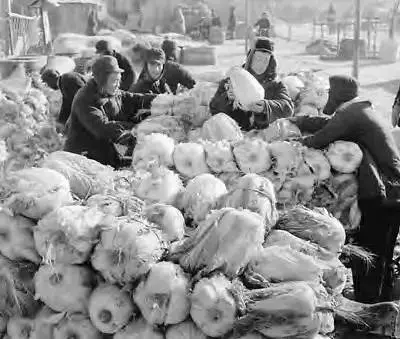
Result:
{"points": [[10, 45], [357, 28]]}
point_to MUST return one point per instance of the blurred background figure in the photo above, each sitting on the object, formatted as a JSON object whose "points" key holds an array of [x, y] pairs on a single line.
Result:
{"points": [[170, 49], [263, 25], [231, 29], [137, 56], [104, 47], [215, 19], [92, 24], [178, 21]]}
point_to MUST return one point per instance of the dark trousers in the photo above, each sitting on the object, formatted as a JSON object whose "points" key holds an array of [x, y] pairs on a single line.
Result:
{"points": [[378, 232]]}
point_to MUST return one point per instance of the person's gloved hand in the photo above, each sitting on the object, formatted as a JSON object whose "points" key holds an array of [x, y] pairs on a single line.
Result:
{"points": [[257, 107], [229, 90], [126, 138]]}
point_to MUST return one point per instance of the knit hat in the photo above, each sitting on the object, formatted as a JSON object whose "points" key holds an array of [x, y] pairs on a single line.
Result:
{"points": [[50, 77], [343, 87], [264, 44], [155, 55], [106, 64], [104, 46]]}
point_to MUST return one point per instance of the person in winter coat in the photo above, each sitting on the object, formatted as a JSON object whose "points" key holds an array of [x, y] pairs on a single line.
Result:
{"points": [[92, 24], [170, 49], [103, 47], [162, 76], [215, 19], [103, 116], [277, 104], [396, 110], [138, 59], [178, 21], [69, 84], [263, 23], [231, 29], [355, 120]]}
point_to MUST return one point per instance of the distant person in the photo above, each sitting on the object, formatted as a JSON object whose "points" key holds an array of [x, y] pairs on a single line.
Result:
{"points": [[103, 47], [331, 19], [215, 19], [263, 25], [178, 21], [231, 29], [92, 24], [162, 76], [69, 84], [170, 49], [261, 63], [138, 59]]}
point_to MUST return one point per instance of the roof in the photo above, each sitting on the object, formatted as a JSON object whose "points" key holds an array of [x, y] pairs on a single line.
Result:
{"points": [[61, 2]]}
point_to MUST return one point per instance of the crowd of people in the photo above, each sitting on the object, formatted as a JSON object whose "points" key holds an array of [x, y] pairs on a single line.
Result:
{"points": [[99, 111]]}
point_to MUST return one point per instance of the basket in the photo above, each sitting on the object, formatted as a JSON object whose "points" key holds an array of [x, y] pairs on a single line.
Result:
{"points": [[201, 56]]}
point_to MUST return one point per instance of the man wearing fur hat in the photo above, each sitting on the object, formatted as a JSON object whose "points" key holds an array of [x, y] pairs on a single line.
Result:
{"points": [[354, 119], [261, 63], [162, 76], [103, 116]]}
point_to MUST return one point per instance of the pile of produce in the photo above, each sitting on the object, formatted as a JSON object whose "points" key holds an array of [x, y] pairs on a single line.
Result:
{"points": [[145, 255], [27, 118], [212, 233]]}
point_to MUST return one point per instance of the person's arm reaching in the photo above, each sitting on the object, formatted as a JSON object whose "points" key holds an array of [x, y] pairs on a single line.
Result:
{"points": [[220, 101]]}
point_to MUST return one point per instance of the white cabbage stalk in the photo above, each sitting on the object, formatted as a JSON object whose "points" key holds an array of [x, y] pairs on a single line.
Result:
{"points": [[284, 238], [110, 308], [127, 250], [16, 237], [280, 130], [37, 191], [283, 263], [334, 276], [293, 85], [162, 104], [168, 125], [163, 296], [160, 185], [297, 189], [64, 288], [77, 326], [316, 225], [203, 92], [168, 218], [252, 156], [286, 310], [286, 155], [153, 148], [202, 194], [256, 194], [318, 163], [194, 135], [69, 234], [221, 127], [344, 156], [190, 159], [355, 215], [246, 88], [19, 328], [86, 177], [138, 329], [184, 330], [229, 179], [115, 204], [213, 307], [219, 156], [226, 240], [44, 323]]}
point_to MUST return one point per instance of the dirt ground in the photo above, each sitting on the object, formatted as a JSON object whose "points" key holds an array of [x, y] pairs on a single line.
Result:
{"points": [[379, 81]]}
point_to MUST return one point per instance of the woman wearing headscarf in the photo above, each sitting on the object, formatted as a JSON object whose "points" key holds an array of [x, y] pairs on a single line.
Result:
{"points": [[261, 63]]}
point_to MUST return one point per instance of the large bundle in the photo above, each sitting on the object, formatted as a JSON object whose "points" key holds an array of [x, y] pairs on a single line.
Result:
{"points": [[246, 89], [226, 240], [86, 177]]}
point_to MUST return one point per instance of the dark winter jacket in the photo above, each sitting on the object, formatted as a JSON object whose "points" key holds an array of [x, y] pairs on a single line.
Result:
{"points": [[69, 84], [128, 76], [173, 75], [97, 122], [278, 103], [263, 23], [356, 121]]}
